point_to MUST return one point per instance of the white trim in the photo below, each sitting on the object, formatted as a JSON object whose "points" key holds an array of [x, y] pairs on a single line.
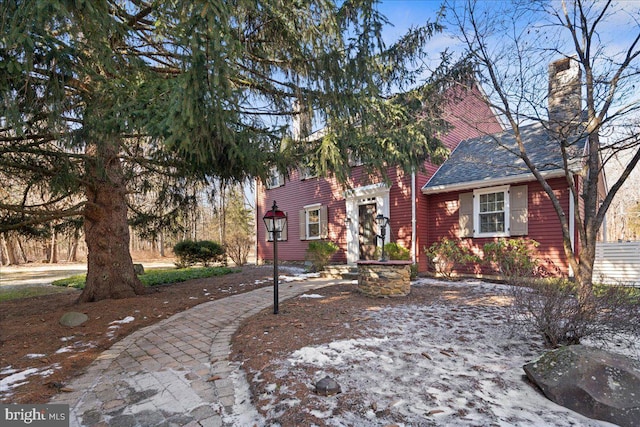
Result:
{"points": [[374, 193], [307, 223], [572, 226], [414, 220], [367, 190], [491, 182], [476, 211]]}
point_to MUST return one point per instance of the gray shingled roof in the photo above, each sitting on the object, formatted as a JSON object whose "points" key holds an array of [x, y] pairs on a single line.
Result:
{"points": [[482, 159]]}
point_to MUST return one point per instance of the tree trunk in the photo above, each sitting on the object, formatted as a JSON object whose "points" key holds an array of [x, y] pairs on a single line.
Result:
{"points": [[53, 256], [110, 273], [23, 254], [161, 244], [7, 255], [73, 247], [10, 250]]}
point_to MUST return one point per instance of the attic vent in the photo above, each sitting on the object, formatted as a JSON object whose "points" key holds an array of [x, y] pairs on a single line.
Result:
{"points": [[562, 65]]}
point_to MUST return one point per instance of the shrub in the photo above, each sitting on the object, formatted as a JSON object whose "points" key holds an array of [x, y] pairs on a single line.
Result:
{"points": [[513, 258], [552, 308], [238, 248], [394, 251], [319, 253], [447, 254], [190, 252], [414, 271]]}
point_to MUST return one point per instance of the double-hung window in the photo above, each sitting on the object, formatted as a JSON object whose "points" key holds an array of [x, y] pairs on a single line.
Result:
{"points": [[491, 212], [313, 222], [494, 212], [275, 178]]}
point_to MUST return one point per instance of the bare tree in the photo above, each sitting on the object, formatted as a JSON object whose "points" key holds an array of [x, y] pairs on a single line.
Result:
{"points": [[510, 46]]}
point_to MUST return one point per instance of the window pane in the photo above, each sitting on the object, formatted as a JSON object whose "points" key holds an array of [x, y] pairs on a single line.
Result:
{"points": [[313, 223], [314, 230], [492, 223], [492, 202]]}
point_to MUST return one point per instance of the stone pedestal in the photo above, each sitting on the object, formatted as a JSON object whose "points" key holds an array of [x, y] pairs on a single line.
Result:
{"points": [[384, 278]]}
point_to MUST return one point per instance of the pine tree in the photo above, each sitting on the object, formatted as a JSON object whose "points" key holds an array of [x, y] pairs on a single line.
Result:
{"points": [[101, 97]]}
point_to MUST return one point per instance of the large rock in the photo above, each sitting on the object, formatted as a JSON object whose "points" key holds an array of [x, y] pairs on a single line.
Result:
{"points": [[595, 383], [138, 269], [73, 318]]}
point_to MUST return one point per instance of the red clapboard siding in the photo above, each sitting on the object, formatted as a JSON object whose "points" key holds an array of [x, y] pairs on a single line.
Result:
{"points": [[291, 198], [468, 116], [544, 225]]}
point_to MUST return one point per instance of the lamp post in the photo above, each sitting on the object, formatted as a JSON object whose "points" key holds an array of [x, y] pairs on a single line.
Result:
{"points": [[275, 220], [382, 221]]}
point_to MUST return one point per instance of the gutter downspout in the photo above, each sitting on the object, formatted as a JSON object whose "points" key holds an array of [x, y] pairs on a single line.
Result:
{"points": [[257, 220], [413, 219]]}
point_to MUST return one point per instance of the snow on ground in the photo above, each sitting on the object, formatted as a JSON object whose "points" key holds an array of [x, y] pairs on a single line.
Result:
{"points": [[15, 378], [440, 364], [115, 325]]}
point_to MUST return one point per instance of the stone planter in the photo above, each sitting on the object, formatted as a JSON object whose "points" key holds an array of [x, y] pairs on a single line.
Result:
{"points": [[384, 278]]}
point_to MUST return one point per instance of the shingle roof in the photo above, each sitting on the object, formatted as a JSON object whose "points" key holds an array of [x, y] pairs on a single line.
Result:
{"points": [[483, 159]]}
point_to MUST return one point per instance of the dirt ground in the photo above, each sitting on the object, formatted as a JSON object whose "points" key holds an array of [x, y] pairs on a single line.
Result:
{"points": [[340, 314], [31, 336]]}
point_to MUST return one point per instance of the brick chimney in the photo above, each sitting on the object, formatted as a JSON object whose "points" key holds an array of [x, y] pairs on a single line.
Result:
{"points": [[301, 120], [565, 96]]}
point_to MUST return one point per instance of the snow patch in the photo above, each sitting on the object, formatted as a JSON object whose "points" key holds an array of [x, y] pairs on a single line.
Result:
{"points": [[127, 319], [34, 355], [456, 361]]}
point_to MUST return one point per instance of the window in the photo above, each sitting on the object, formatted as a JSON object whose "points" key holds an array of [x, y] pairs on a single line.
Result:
{"points": [[308, 171], [494, 212], [275, 178], [354, 160], [313, 222], [491, 211]]}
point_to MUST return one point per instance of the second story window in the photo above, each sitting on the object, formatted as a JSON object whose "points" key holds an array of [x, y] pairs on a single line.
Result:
{"points": [[275, 178]]}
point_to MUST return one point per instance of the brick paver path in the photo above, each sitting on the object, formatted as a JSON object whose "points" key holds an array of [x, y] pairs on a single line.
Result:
{"points": [[176, 372]]}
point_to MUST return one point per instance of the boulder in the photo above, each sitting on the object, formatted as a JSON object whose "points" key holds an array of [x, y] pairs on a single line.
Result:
{"points": [[595, 383], [138, 269], [73, 318], [327, 387]]}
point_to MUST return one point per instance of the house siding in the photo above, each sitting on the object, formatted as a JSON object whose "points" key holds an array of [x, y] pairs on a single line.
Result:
{"points": [[544, 225], [293, 196], [468, 116]]}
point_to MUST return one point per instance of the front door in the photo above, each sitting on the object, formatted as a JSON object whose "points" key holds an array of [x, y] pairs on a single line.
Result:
{"points": [[367, 231]]}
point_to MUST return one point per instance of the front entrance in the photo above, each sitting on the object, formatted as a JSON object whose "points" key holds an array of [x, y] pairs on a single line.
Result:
{"points": [[367, 235], [362, 206]]}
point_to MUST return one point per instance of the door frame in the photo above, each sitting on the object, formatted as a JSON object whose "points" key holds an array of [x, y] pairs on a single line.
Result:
{"points": [[378, 193]]}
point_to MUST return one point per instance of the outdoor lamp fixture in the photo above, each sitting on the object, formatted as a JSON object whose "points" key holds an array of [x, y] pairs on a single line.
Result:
{"points": [[275, 220], [382, 222]]}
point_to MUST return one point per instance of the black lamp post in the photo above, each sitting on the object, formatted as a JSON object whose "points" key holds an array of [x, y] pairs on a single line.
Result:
{"points": [[275, 220], [382, 221]]}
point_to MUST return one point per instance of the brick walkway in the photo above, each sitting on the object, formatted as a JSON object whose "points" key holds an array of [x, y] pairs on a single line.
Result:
{"points": [[176, 372]]}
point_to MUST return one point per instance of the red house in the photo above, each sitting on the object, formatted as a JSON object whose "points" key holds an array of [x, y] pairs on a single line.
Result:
{"points": [[481, 192]]}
